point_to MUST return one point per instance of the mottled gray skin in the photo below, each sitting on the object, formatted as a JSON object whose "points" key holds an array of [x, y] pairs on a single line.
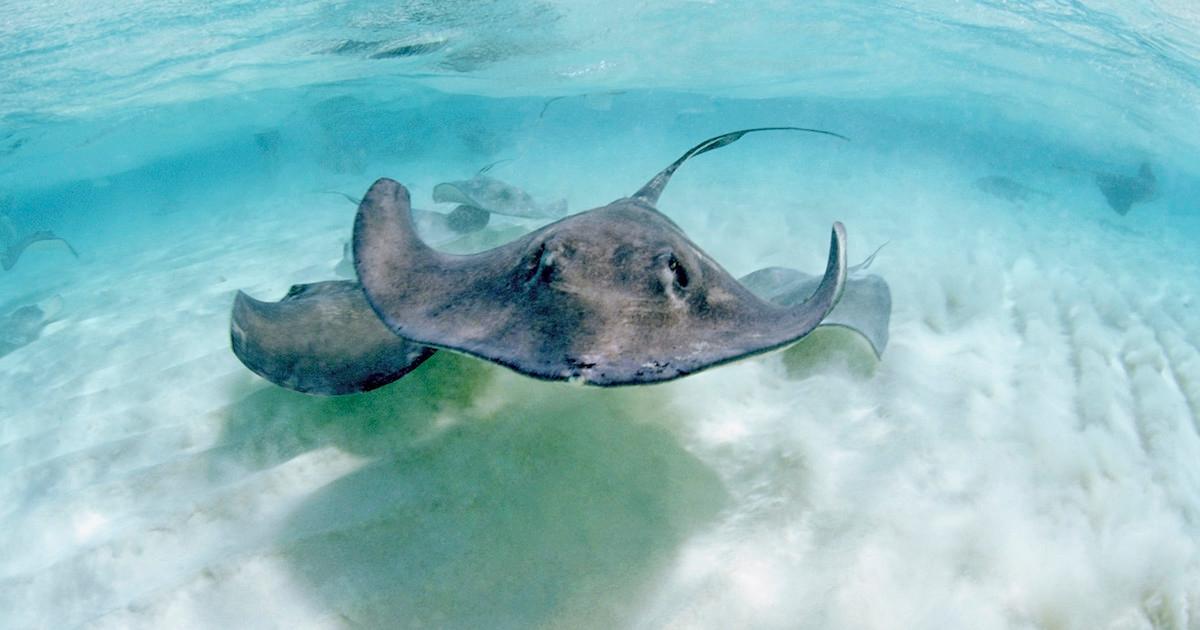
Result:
{"points": [[865, 307], [617, 295], [321, 338], [497, 197], [1122, 191]]}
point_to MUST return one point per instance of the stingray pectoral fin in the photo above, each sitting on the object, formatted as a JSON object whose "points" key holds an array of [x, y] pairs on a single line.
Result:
{"points": [[865, 307], [321, 338], [49, 242], [44, 239], [810, 313], [385, 242]]}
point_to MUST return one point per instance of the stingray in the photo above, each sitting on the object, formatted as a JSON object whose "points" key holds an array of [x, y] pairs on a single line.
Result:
{"points": [[1122, 191], [275, 339], [1009, 189], [488, 194], [24, 325], [865, 307], [321, 338], [436, 226], [617, 295], [15, 246]]}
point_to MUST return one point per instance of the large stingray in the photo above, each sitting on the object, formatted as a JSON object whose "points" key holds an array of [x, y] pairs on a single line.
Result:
{"points": [[1122, 191], [616, 295], [321, 338], [489, 194], [15, 246], [304, 343]]}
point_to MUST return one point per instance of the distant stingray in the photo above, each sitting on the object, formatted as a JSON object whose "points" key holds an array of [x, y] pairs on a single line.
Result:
{"points": [[1122, 191], [478, 198], [321, 338], [492, 195], [438, 227], [15, 246], [1009, 189], [617, 295], [22, 326]]}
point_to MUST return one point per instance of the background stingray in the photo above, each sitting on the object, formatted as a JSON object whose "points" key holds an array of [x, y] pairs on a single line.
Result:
{"points": [[321, 338], [15, 246], [1009, 189], [22, 326], [438, 227], [1122, 191], [497, 197], [865, 307], [613, 296]]}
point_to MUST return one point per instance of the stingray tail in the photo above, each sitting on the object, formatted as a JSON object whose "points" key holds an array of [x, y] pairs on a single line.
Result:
{"points": [[651, 191], [862, 266], [488, 167], [339, 193]]}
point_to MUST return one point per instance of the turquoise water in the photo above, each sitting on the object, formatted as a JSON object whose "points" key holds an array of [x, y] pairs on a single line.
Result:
{"points": [[1023, 454]]}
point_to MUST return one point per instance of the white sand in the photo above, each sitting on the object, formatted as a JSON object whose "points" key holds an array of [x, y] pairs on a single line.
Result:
{"points": [[1025, 456]]}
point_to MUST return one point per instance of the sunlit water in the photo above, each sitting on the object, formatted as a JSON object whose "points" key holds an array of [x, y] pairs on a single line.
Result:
{"points": [[1025, 455]]}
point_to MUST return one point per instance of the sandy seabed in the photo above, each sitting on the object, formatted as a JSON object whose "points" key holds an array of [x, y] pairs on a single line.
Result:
{"points": [[1026, 455]]}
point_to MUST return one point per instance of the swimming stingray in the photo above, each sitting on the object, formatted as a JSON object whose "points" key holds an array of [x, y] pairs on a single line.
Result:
{"points": [[650, 307], [1009, 189], [321, 338], [492, 195], [1122, 191], [22, 326], [865, 307], [15, 246], [478, 199], [617, 295]]}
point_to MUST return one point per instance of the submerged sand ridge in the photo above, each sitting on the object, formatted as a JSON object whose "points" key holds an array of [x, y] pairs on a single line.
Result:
{"points": [[1023, 456]]}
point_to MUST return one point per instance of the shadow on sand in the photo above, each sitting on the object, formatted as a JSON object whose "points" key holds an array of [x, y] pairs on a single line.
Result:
{"points": [[490, 500]]}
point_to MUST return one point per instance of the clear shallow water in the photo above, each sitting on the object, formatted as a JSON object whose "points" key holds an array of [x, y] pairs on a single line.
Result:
{"points": [[1023, 456]]}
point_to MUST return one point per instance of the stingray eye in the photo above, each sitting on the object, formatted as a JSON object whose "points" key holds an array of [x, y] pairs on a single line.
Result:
{"points": [[681, 274]]}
